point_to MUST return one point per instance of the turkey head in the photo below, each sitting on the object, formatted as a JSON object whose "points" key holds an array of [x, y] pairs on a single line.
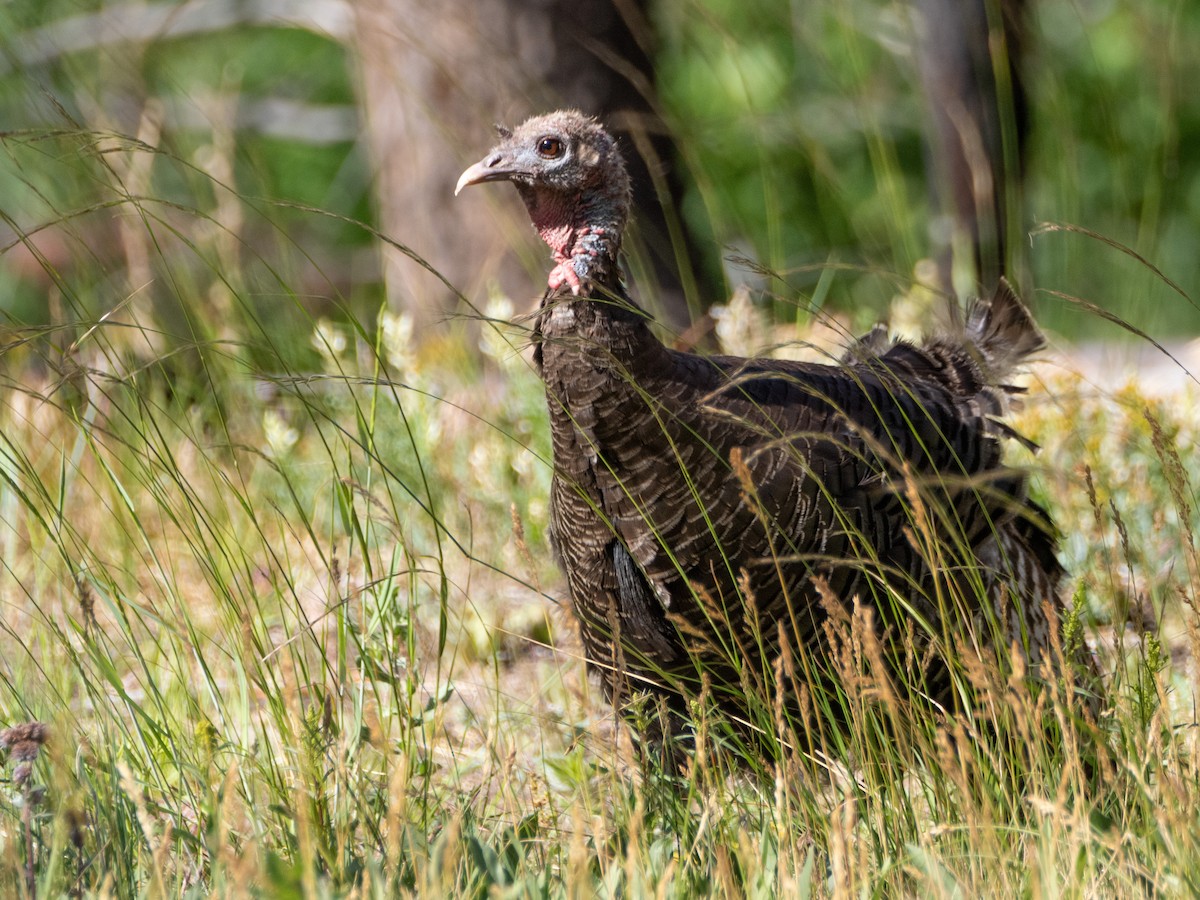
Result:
{"points": [[569, 172]]}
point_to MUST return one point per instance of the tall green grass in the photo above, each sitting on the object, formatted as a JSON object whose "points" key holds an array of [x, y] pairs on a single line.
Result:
{"points": [[292, 630], [274, 573]]}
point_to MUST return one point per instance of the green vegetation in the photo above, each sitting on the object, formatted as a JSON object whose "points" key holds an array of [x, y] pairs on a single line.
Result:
{"points": [[275, 574], [802, 126]]}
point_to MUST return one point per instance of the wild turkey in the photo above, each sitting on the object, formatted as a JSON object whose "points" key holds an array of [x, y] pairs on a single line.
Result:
{"points": [[712, 514]]}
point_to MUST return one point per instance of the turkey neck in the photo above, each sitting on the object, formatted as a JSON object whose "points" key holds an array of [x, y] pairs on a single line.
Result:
{"points": [[586, 317], [583, 231]]}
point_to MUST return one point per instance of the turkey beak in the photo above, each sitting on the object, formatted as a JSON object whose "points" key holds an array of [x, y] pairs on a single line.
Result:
{"points": [[490, 168]]}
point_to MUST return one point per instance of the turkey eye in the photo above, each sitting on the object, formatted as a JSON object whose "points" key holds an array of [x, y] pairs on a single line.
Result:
{"points": [[550, 147]]}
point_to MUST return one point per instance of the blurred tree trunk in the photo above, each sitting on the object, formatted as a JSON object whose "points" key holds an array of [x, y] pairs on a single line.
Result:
{"points": [[436, 74], [970, 59]]}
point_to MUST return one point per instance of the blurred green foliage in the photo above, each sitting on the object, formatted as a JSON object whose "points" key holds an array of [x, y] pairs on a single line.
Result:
{"points": [[804, 123], [800, 128], [260, 115]]}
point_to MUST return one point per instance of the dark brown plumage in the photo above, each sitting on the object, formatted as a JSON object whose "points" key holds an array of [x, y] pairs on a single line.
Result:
{"points": [[713, 513]]}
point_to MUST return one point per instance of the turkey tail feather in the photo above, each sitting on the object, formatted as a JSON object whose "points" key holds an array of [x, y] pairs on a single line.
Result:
{"points": [[1003, 331]]}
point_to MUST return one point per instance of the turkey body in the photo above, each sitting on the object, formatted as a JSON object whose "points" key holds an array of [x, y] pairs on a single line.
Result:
{"points": [[704, 491], [716, 516]]}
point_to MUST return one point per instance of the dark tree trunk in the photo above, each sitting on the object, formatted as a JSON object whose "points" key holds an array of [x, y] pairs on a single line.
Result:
{"points": [[434, 76], [970, 55]]}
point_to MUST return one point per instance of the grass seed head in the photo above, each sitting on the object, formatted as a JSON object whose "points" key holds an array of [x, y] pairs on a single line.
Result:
{"points": [[23, 742]]}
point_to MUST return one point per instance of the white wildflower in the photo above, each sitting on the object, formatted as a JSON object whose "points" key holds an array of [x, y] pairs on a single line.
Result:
{"points": [[480, 461], [328, 341], [537, 510], [280, 436], [741, 326], [496, 339], [398, 343], [523, 463], [432, 419]]}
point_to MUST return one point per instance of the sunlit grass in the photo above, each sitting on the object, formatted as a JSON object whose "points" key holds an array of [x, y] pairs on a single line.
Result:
{"points": [[303, 642], [275, 573]]}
